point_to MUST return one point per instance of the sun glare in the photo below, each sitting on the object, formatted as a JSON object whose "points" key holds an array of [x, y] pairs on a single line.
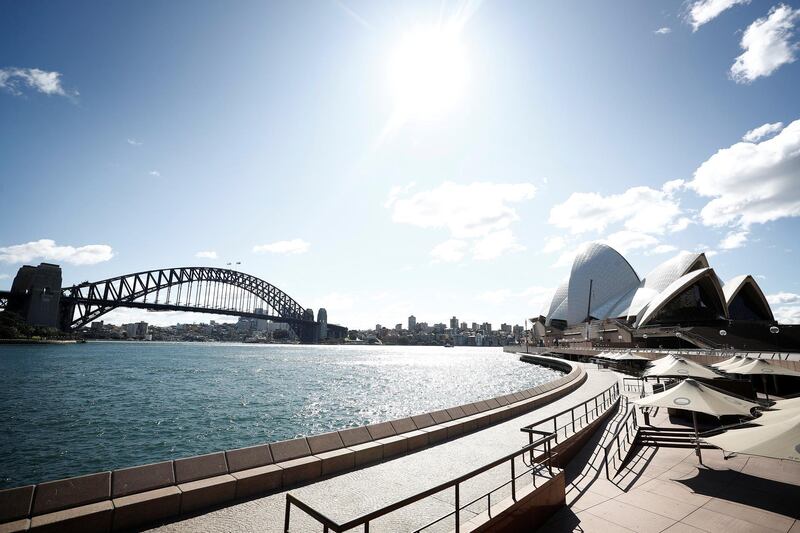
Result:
{"points": [[427, 72]]}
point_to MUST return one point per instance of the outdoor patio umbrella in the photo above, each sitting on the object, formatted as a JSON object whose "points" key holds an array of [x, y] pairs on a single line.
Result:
{"points": [[666, 360], [682, 368], [736, 364], [629, 356], [770, 417], [729, 361], [790, 403], [698, 398], [779, 440], [763, 368]]}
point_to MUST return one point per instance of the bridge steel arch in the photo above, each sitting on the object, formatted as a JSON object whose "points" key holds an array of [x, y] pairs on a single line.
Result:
{"points": [[196, 289]]}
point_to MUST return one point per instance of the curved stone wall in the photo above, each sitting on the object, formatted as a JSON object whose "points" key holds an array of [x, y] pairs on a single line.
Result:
{"points": [[132, 497]]}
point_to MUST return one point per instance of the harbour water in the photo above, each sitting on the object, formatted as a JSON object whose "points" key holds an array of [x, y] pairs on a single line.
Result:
{"points": [[74, 409]]}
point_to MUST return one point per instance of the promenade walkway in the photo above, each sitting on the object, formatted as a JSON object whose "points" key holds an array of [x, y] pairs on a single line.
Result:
{"points": [[665, 489], [348, 495]]}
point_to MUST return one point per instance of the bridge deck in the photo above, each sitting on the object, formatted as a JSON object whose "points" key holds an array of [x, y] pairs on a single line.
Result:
{"points": [[351, 494]]}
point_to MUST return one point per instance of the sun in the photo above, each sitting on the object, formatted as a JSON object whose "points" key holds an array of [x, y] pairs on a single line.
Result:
{"points": [[427, 72]]}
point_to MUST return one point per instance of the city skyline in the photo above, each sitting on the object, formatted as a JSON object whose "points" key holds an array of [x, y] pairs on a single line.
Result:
{"points": [[306, 147]]}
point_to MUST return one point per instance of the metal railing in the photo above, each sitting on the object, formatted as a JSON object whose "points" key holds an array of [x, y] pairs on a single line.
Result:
{"points": [[629, 425], [539, 460]]}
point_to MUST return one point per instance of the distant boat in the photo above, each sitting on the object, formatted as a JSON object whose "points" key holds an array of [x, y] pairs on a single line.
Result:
{"points": [[448, 344]]}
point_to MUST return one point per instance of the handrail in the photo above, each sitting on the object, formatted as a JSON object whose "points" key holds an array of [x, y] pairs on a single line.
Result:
{"points": [[612, 394], [615, 439]]}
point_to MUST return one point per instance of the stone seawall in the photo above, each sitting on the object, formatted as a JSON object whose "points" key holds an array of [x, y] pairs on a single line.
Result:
{"points": [[133, 497]]}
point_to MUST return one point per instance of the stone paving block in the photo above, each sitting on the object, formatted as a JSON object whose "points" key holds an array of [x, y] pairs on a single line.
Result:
{"points": [[325, 442], [367, 453], [502, 400], [15, 503], [435, 433], [300, 469], [481, 406], [127, 481], [424, 420], [404, 425], [469, 409], [286, 450], [492, 403], [441, 416], [381, 430], [200, 467], [394, 445], [259, 480], [145, 507], [335, 461], [93, 517], [456, 412], [354, 436], [56, 495], [454, 428], [250, 457], [416, 439], [197, 495], [17, 526]]}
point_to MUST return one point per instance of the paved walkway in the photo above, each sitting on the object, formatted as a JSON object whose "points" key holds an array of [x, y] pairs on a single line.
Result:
{"points": [[665, 489], [349, 495]]}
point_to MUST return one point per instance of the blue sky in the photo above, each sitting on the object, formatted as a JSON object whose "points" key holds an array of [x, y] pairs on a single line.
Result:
{"points": [[383, 159]]}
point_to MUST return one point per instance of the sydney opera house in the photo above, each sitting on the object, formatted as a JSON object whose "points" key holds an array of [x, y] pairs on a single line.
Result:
{"points": [[681, 302]]}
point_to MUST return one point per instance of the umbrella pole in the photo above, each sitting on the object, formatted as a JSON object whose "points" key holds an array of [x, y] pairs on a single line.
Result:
{"points": [[697, 438], [764, 380]]}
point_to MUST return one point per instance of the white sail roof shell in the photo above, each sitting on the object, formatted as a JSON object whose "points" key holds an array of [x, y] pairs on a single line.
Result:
{"points": [[662, 276], [610, 276], [675, 288], [735, 285]]}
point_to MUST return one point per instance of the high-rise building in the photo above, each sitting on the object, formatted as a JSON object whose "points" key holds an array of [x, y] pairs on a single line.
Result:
{"points": [[454, 323], [463, 326], [412, 323], [505, 327], [475, 326]]}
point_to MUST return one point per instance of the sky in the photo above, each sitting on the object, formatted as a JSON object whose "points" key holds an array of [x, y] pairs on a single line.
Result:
{"points": [[382, 159]]}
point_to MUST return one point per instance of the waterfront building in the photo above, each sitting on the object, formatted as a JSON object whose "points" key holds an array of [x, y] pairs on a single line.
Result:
{"points": [[412, 323], [681, 302], [322, 319], [454, 323]]}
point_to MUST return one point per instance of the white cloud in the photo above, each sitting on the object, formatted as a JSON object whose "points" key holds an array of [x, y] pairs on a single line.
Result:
{"points": [[134, 142], [122, 315], [14, 80], [294, 246], [478, 212], [760, 132], [5, 276], [782, 298], [554, 244], [210, 254], [641, 209], [663, 31], [626, 241], [766, 44], [661, 249], [396, 192], [703, 11], [495, 244], [468, 211], [734, 239], [673, 186], [789, 314], [680, 224], [48, 250], [449, 251], [568, 255], [752, 183], [155, 173]]}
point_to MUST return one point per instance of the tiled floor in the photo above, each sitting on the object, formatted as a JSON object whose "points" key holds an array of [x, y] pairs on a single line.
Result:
{"points": [[666, 489]]}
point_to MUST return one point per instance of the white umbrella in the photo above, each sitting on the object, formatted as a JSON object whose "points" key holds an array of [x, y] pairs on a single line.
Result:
{"points": [[770, 417], [630, 356], [779, 440], [736, 364], [763, 368], [729, 361], [790, 403], [698, 398], [681, 368]]}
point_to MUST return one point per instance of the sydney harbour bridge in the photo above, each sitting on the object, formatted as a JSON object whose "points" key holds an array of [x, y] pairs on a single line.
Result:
{"points": [[37, 295]]}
